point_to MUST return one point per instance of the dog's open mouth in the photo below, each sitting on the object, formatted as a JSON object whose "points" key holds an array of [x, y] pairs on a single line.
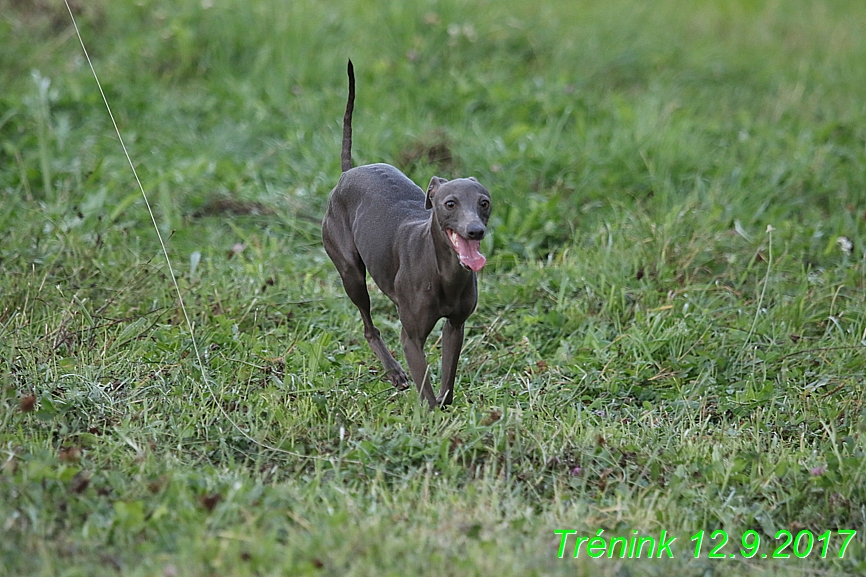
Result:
{"points": [[467, 250]]}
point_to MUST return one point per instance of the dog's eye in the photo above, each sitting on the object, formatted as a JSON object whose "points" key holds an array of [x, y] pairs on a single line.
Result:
{"points": [[484, 203], [450, 204]]}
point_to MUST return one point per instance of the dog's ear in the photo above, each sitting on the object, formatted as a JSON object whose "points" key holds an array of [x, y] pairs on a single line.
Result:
{"points": [[434, 185], [473, 179]]}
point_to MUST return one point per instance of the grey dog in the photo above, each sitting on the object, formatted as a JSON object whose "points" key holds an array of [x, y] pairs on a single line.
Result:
{"points": [[421, 250]]}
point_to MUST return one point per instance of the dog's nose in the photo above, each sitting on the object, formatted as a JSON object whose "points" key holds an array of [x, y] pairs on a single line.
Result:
{"points": [[475, 232]]}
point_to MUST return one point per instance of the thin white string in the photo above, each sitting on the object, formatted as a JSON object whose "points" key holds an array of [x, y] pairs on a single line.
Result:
{"points": [[171, 269]]}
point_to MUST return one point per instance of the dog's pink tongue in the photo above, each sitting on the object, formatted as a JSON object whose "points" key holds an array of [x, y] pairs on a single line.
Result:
{"points": [[467, 250]]}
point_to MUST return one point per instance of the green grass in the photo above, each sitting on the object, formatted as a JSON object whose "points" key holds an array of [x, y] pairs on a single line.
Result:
{"points": [[669, 336]]}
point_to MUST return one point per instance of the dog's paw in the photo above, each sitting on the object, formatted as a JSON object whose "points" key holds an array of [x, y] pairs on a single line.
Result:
{"points": [[399, 379], [445, 400]]}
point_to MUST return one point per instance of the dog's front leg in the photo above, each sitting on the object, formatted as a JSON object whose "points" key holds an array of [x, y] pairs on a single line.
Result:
{"points": [[413, 348], [452, 343]]}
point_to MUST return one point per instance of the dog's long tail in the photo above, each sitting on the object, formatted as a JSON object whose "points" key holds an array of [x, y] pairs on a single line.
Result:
{"points": [[346, 156]]}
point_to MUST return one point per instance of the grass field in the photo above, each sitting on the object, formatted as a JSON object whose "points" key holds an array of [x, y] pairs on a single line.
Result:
{"points": [[670, 335]]}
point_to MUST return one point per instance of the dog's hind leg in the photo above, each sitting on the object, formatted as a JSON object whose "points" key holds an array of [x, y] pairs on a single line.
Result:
{"points": [[353, 273]]}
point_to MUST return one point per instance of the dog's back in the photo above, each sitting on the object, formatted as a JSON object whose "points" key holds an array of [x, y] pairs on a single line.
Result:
{"points": [[374, 204]]}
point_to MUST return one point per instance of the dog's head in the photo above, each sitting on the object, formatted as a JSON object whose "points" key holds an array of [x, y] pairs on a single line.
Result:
{"points": [[462, 208]]}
